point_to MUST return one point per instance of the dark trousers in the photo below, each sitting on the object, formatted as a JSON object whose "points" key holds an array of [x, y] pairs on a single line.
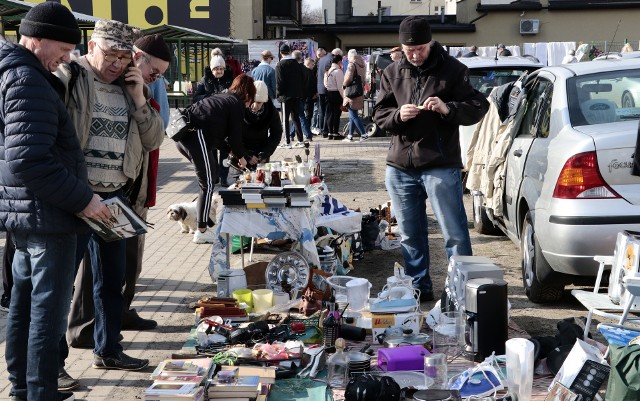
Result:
{"points": [[322, 113], [205, 164], [7, 259], [333, 112], [292, 108]]}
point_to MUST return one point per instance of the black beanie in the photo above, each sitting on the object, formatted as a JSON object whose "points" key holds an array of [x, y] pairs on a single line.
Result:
{"points": [[414, 31], [51, 20], [154, 45]]}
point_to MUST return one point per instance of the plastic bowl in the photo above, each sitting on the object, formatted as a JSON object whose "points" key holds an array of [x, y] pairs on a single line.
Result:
{"points": [[339, 285]]}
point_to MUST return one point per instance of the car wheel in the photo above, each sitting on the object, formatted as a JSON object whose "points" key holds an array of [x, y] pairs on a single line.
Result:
{"points": [[481, 222], [541, 284], [372, 129], [627, 100]]}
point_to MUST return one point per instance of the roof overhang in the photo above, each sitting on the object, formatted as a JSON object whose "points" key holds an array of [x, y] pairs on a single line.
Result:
{"points": [[172, 33]]}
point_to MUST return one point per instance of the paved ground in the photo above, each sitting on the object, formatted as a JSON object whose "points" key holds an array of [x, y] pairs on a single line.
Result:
{"points": [[174, 273]]}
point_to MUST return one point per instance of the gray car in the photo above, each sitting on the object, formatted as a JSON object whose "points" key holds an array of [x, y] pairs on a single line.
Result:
{"points": [[567, 183]]}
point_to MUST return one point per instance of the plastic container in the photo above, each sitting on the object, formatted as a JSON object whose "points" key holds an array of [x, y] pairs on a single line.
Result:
{"points": [[519, 353], [358, 293], [244, 295], [339, 285], [262, 300]]}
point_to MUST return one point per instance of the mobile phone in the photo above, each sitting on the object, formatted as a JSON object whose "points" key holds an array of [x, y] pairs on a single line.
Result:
{"points": [[131, 64]]}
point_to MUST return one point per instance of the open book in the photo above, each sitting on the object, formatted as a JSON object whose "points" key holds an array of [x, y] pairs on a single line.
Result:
{"points": [[125, 222]]}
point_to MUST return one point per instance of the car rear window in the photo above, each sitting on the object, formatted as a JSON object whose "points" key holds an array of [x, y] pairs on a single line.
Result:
{"points": [[604, 97], [485, 79]]}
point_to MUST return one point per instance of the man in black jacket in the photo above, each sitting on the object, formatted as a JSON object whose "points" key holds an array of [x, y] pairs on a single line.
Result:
{"points": [[289, 84], [43, 187], [423, 99]]}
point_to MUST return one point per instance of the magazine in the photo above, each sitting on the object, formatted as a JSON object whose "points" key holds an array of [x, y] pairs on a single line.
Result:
{"points": [[124, 222]]}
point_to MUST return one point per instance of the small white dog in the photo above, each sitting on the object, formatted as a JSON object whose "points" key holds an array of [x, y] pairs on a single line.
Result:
{"points": [[185, 213]]}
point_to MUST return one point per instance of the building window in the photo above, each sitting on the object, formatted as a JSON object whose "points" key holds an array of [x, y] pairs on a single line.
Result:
{"points": [[415, 1]]}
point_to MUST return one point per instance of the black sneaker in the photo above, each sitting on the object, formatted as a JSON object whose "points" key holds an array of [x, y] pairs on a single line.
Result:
{"points": [[426, 295], [120, 361], [66, 382], [5, 301], [66, 396]]}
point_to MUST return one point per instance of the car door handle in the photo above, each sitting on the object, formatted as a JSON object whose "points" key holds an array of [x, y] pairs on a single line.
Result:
{"points": [[517, 152]]}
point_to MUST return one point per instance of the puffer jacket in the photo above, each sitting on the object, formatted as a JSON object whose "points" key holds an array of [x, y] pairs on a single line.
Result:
{"points": [[357, 66], [43, 177], [262, 132], [430, 139], [146, 128], [210, 85]]}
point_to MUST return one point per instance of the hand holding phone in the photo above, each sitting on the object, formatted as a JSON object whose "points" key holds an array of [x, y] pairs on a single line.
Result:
{"points": [[131, 64]]}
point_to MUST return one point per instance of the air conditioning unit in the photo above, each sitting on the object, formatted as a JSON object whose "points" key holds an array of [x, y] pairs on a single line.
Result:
{"points": [[529, 26]]}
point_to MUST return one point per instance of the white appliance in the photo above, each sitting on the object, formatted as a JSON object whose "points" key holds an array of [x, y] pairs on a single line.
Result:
{"points": [[625, 263], [462, 269], [229, 281]]}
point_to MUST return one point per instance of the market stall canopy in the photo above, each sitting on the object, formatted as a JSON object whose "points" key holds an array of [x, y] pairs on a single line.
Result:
{"points": [[12, 11], [172, 33]]}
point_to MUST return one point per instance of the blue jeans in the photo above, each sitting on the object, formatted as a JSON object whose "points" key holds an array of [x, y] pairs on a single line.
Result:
{"points": [[316, 114], [355, 123], [408, 190], [43, 269], [304, 124]]}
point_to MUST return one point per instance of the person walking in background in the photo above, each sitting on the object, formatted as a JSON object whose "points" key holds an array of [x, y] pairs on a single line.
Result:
{"points": [[289, 84], [317, 121], [396, 53], [44, 189], [333, 80], [503, 51], [265, 73], [304, 124], [570, 57], [218, 120], [423, 99], [354, 105], [473, 52], [216, 79], [309, 95], [323, 66], [116, 135]]}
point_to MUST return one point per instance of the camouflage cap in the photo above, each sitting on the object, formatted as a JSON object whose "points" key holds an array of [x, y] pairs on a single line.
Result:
{"points": [[117, 35]]}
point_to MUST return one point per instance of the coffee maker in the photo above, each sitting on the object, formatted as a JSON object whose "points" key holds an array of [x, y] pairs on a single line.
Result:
{"points": [[487, 317]]}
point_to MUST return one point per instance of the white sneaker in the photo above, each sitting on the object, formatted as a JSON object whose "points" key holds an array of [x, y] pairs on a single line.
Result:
{"points": [[347, 139], [206, 237], [315, 131], [299, 145], [364, 138], [285, 145]]}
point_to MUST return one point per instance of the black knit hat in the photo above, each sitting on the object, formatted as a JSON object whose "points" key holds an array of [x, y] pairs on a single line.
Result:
{"points": [[414, 31], [51, 20], [154, 45]]}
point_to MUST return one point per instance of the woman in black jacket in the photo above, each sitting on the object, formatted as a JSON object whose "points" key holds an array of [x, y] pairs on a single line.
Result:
{"points": [[218, 120], [217, 77], [262, 129]]}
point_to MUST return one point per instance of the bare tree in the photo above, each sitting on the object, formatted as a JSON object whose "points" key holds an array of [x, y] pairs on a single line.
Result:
{"points": [[311, 15]]}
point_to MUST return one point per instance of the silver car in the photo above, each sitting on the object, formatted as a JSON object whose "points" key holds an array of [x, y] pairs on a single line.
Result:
{"points": [[568, 187]]}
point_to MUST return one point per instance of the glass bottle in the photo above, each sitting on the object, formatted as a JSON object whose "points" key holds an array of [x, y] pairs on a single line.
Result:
{"points": [[338, 365]]}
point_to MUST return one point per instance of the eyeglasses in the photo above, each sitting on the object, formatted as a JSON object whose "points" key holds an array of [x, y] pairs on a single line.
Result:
{"points": [[155, 73], [112, 58]]}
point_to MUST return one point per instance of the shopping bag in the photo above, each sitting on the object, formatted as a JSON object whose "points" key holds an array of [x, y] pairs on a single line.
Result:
{"points": [[179, 124]]}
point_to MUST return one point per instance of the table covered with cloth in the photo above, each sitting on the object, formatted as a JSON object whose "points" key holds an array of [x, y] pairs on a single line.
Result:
{"points": [[296, 223]]}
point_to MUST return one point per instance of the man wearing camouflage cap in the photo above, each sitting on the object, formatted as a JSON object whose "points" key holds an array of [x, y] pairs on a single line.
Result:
{"points": [[109, 104]]}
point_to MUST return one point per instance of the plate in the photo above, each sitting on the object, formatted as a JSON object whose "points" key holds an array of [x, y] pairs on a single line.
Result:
{"points": [[410, 379], [287, 267]]}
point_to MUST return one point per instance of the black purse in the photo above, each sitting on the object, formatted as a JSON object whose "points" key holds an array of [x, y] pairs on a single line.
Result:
{"points": [[179, 124], [355, 88]]}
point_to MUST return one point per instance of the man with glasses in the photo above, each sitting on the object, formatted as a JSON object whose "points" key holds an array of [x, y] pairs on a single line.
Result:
{"points": [[152, 56], [423, 99], [266, 73], [117, 126]]}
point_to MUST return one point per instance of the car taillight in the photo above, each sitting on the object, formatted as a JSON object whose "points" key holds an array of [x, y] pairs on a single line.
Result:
{"points": [[581, 179]]}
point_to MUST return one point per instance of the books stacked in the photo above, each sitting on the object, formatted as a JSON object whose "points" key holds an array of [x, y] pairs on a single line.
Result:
{"points": [[297, 195], [231, 197], [252, 196], [179, 380], [231, 386], [274, 197]]}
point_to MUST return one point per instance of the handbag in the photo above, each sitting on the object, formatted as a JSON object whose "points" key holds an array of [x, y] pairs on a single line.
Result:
{"points": [[355, 88], [179, 124]]}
